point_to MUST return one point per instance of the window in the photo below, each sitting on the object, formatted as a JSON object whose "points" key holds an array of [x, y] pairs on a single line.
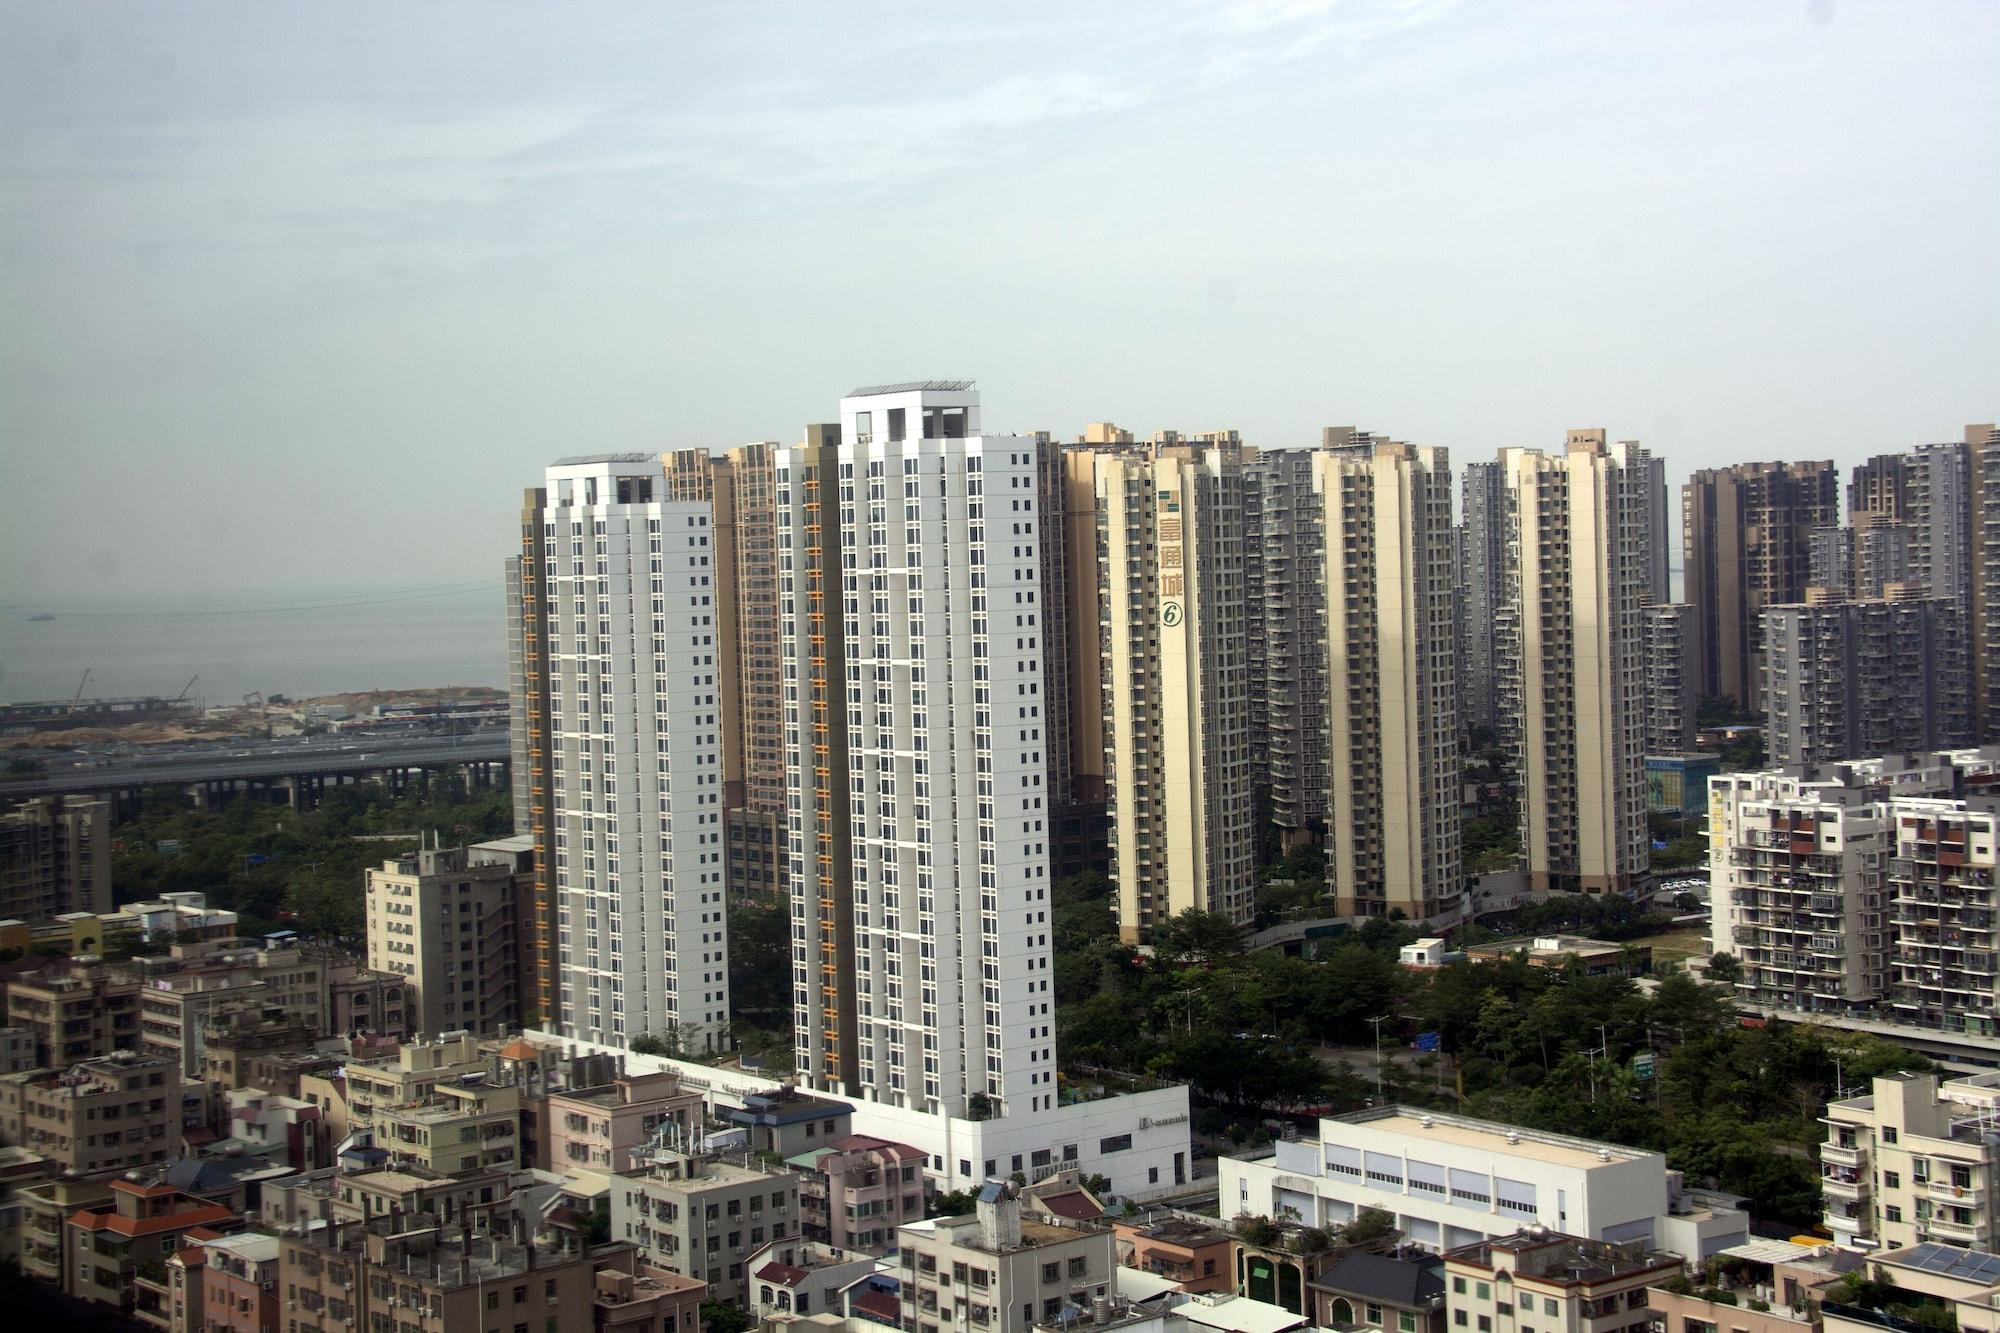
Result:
{"points": [[1407, 1322], [1051, 1272], [1893, 1213], [1116, 1143], [1549, 1306], [1078, 1267], [1888, 1133], [1458, 1286], [1892, 1180]]}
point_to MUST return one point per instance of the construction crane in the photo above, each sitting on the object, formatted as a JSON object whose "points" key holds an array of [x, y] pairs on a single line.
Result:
{"points": [[185, 688], [79, 690]]}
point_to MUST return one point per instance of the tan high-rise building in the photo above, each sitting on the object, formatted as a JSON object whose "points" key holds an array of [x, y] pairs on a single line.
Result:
{"points": [[825, 1035], [1878, 491], [1569, 640], [1747, 537], [741, 485], [1170, 523], [1393, 765], [528, 675]]}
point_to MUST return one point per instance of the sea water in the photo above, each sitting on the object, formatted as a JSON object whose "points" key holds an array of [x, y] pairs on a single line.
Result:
{"points": [[319, 643]]}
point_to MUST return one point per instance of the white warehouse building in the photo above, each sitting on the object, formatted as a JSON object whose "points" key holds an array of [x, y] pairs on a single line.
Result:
{"points": [[1450, 1180]]}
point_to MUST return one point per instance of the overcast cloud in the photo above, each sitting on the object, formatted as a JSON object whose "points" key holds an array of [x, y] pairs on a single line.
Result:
{"points": [[301, 296]]}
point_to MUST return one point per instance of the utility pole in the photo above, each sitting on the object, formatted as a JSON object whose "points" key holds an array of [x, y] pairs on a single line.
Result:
{"points": [[1378, 1022]]}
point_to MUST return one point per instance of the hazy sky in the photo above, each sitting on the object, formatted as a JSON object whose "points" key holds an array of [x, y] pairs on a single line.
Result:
{"points": [[303, 295]]}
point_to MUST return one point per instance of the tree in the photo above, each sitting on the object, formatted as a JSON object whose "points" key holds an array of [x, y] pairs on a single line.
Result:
{"points": [[719, 1318], [954, 1203], [1370, 1224], [1196, 936], [1725, 967]]}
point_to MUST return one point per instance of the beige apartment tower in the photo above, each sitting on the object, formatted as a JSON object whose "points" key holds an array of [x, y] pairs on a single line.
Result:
{"points": [[447, 921], [1176, 708], [1393, 770], [1568, 637], [741, 486]]}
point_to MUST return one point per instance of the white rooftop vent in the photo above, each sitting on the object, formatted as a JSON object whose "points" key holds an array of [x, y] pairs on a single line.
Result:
{"points": [[1425, 1121], [1513, 1136]]}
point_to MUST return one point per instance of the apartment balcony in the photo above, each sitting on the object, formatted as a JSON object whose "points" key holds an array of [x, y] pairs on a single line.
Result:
{"points": [[1945, 1190], [1854, 1191], [1855, 1158], [1974, 1234]]}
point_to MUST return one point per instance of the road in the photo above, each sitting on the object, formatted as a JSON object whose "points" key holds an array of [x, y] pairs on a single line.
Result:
{"points": [[251, 760]]}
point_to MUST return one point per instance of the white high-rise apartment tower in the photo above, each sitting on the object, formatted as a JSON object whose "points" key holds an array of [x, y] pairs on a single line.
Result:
{"points": [[931, 679], [634, 757]]}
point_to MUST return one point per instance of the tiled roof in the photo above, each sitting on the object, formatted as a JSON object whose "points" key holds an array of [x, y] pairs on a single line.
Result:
{"points": [[150, 1226]]}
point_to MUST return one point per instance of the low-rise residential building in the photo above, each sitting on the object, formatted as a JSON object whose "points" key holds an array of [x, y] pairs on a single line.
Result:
{"points": [[1914, 1161], [363, 1000], [1275, 1263], [788, 1122], [646, 1300], [1553, 1283], [46, 1207], [240, 1284], [801, 1277], [233, 1041], [180, 917], [407, 1074], [443, 919], [1763, 1286], [141, 1225], [1926, 1286], [106, 1114], [74, 1011], [855, 1191], [17, 1051], [997, 1270], [1194, 1255], [703, 1216], [182, 994], [421, 1278], [1450, 1180], [605, 1128], [282, 1130], [469, 1125], [1392, 1293], [173, 1300]]}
